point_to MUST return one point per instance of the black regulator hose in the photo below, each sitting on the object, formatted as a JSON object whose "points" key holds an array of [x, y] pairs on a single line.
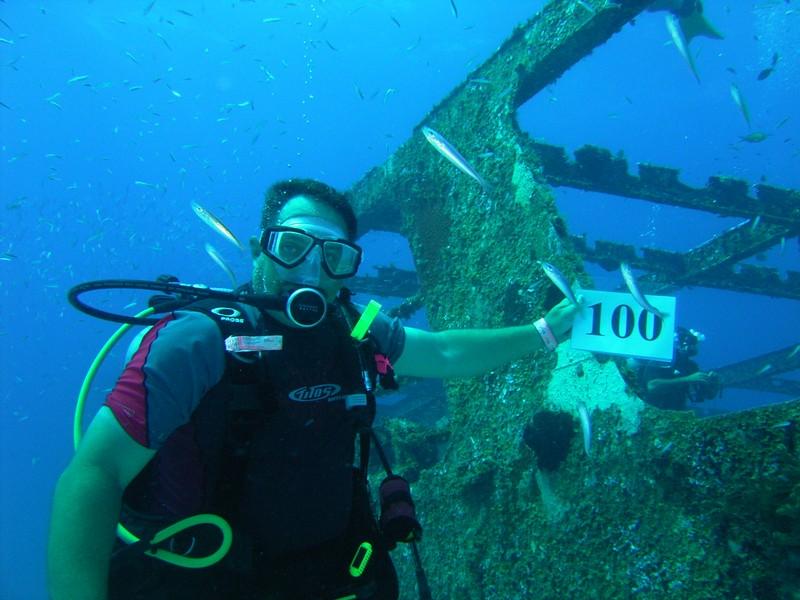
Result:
{"points": [[176, 296], [306, 307]]}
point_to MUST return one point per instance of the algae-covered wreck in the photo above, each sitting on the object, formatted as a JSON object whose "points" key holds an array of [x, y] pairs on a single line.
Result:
{"points": [[658, 503]]}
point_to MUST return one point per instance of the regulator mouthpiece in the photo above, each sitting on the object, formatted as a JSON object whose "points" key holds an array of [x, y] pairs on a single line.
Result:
{"points": [[306, 307]]}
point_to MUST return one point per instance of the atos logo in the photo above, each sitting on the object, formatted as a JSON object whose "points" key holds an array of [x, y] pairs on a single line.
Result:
{"points": [[315, 393]]}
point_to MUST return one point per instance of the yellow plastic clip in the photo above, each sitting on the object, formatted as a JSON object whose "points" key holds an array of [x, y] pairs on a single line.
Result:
{"points": [[367, 317]]}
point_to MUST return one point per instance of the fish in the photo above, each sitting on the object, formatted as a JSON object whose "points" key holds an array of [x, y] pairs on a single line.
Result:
{"points": [[454, 8], [558, 279], [270, 19], [755, 137], [331, 46], [151, 186], [7, 256], [6, 41], [756, 221], [6, 25], [689, 17], [217, 258], [740, 102], [446, 149], [767, 367], [185, 12], [132, 57], [77, 78], [633, 288], [415, 44], [768, 71], [161, 37], [4, 105], [358, 91], [586, 427], [395, 21], [148, 8], [680, 43], [794, 352], [215, 224]]}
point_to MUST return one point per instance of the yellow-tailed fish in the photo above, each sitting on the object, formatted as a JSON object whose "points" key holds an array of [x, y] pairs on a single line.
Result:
{"points": [[633, 288], [558, 279], [680, 43], [446, 149], [217, 258], [739, 100], [215, 224]]}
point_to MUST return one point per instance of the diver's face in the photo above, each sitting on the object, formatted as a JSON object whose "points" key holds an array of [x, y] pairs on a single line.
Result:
{"points": [[317, 219]]}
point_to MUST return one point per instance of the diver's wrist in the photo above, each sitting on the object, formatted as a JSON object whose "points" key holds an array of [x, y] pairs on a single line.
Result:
{"points": [[548, 339]]}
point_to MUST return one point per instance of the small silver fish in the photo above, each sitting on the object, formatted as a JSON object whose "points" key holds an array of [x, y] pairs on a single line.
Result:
{"points": [[215, 224], [558, 279], [217, 258], [454, 8], [146, 184], [77, 78], [739, 101], [633, 288], [586, 427], [680, 43], [446, 149], [767, 367]]}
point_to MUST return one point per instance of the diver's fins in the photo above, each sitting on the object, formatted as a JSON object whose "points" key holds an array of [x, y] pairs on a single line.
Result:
{"points": [[695, 24]]}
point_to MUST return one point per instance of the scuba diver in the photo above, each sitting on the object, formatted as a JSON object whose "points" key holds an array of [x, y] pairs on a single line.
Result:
{"points": [[673, 385], [233, 448]]}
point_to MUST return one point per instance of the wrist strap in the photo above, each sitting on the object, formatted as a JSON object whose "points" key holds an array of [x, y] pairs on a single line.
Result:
{"points": [[548, 338]]}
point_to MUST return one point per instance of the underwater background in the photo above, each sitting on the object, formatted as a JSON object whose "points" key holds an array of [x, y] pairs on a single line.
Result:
{"points": [[116, 116]]}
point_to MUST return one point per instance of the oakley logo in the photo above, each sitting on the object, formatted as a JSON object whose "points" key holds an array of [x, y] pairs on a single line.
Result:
{"points": [[315, 393], [226, 313]]}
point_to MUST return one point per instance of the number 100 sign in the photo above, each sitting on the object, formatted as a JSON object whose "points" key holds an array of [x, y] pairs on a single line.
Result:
{"points": [[614, 323]]}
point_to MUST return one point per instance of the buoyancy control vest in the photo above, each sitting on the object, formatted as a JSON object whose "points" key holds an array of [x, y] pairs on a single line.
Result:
{"points": [[277, 435]]}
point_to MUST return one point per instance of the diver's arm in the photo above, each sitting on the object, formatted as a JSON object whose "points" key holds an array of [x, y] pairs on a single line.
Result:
{"points": [[683, 381], [86, 508], [470, 352]]}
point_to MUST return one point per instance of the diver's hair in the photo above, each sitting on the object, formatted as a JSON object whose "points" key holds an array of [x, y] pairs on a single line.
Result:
{"points": [[278, 194]]}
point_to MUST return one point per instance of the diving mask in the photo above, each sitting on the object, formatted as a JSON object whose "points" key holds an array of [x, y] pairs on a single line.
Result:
{"points": [[302, 248]]}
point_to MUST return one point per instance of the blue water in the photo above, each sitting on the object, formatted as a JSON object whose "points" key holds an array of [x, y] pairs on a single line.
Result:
{"points": [[215, 106]]}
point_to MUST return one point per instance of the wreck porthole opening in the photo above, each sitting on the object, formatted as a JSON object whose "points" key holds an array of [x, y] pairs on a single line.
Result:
{"points": [[388, 275]]}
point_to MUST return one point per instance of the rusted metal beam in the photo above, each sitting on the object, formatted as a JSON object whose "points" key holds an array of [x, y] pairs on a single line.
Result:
{"points": [[596, 169], [671, 270], [754, 372]]}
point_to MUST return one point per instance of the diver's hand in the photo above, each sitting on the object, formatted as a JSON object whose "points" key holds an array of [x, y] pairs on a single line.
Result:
{"points": [[560, 317], [704, 378]]}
